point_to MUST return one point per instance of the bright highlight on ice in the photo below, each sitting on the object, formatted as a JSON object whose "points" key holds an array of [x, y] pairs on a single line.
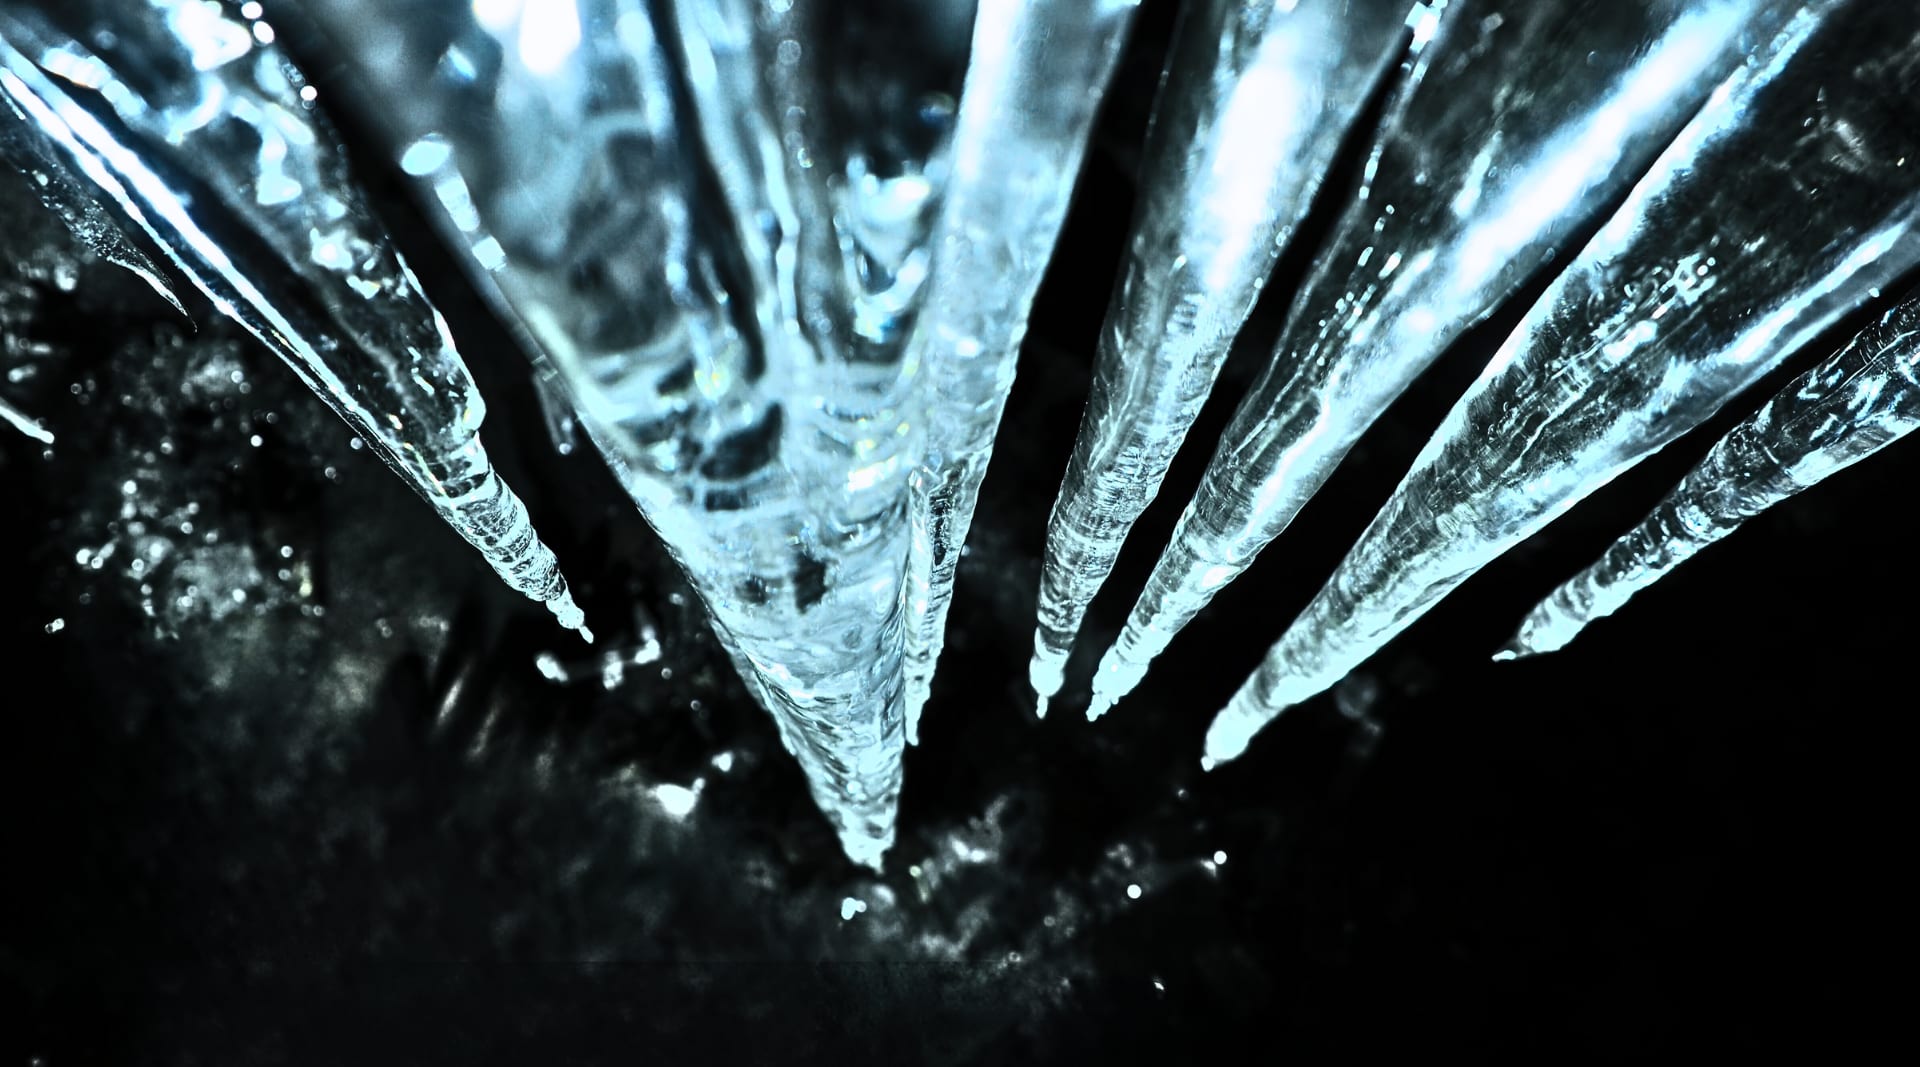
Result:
{"points": [[1864, 398], [775, 265]]}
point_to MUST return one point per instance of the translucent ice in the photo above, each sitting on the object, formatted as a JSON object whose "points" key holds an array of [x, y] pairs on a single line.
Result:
{"points": [[1861, 400], [1518, 123], [1787, 198], [1255, 101], [21, 421], [1033, 87], [716, 246], [69, 196], [835, 254], [192, 127]]}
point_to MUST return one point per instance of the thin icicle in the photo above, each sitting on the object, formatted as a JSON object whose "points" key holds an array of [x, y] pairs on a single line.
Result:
{"points": [[1254, 103], [1033, 87], [72, 200], [215, 152], [1864, 398], [25, 423], [1519, 122], [1782, 204]]}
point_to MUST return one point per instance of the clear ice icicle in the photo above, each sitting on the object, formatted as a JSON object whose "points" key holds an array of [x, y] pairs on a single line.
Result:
{"points": [[1785, 201], [686, 251], [69, 197], [196, 130], [1862, 399], [1516, 125], [23, 422], [1255, 101], [835, 254], [1033, 86]]}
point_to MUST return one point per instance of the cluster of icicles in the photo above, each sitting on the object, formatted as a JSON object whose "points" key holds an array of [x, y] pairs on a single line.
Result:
{"points": [[802, 396]]}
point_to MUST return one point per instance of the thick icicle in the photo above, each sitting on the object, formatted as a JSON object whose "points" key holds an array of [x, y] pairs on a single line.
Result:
{"points": [[1861, 400], [1519, 122], [1785, 201], [1255, 101], [1033, 87], [735, 356], [835, 253], [197, 131]]}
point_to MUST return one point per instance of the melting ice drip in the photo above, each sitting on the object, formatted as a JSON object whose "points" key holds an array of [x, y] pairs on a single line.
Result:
{"points": [[780, 279]]}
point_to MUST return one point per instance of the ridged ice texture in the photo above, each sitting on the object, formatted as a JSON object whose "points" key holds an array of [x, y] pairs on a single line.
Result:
{"points": [[835, 254], [1033, 87], [1787, 199], [1253, 105], [195, 129], [1516, 125], [663, 199], [1861, 400]]}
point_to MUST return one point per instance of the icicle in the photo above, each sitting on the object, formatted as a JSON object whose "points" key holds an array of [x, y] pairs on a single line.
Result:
{"points": [[1032, 90], [712, 343], [71, 199], [734, 67], [214, 151], [1254, 103], [796, 184], [1379, 306], [26, 424], [1861, 400], [1518, 123], [1779, 206]]}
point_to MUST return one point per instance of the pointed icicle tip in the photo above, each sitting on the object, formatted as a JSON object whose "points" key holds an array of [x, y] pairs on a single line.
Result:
{"points": [[1039, 706], [868, 852], [569, 615], [1227, 738], [25, 423], [157, 283], [1099, 705], [1045, 672], [1116, 677], [1513, 650]]}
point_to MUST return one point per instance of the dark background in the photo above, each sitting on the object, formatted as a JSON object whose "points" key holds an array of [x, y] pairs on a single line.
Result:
{"points": [[263, 834]]}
